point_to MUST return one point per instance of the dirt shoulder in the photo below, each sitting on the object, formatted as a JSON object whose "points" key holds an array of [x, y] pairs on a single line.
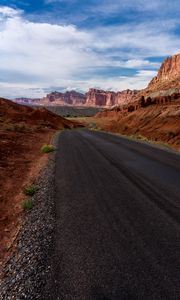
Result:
{"points": [[20, 164]]}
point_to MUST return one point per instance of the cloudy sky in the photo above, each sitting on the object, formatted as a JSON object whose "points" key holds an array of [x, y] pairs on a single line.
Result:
{"points": [[48, 45]]}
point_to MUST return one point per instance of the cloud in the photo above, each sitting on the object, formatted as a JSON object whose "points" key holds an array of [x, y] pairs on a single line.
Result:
{"points": [[36, 56], [6, 11]]}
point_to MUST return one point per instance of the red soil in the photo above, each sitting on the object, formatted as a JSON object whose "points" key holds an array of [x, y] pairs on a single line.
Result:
{"points": [[23, 131], [21, 161], [158, 122], [14, 113]]}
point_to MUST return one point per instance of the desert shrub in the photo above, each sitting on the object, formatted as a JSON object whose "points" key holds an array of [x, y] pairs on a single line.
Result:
{"points": [[27, 204], [30, 190], [47, 148], [141, 137]]}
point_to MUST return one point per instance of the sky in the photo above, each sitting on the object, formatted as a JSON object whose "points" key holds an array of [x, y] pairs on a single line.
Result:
{"points": [[48, 45]]}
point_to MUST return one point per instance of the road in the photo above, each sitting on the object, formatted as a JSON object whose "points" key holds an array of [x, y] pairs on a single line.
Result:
{"points": [[117, 233]]}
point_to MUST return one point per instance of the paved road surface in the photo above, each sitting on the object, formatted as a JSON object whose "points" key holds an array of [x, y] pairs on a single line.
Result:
{"points": [[117, 219]]}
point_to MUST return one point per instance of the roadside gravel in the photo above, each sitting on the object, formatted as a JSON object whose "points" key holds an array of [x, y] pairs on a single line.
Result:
{"points": [[28, 272]]}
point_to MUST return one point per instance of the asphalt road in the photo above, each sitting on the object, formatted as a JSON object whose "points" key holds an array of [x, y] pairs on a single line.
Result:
{"points": [[117, 232]]}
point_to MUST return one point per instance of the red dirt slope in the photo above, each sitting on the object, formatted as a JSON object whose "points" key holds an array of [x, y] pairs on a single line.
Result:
{"points": [[154, 112], [157, 122], [23, 131], [13, 113]]}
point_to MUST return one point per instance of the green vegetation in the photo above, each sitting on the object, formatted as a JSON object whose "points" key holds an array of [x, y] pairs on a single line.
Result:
{"points": [[141, 137], [30, 190], [47, 148], [93, 126], [27, 204]]}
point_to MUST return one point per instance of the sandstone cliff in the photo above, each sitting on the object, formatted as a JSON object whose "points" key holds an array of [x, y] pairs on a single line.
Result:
{"points": [[162, 89], [168, 76], [108, 98], [154, 112], [67, 98], [94, 98], [165, 84]]}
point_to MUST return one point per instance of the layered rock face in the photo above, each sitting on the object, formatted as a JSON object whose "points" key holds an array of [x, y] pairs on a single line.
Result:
{"points": [[126, 96], [168, 76], [93, 98], [107, 99], [166, 83], [164, 89], [99, 98], [67, 98]]}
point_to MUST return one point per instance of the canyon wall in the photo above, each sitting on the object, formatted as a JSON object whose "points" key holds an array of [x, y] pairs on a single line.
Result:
{"points": [[167, 80], [93, 98], [166, 83], [68, 98], [108, 98]]}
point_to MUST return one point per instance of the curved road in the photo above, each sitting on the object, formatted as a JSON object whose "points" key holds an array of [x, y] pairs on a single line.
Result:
{"points": [[117, 233]]}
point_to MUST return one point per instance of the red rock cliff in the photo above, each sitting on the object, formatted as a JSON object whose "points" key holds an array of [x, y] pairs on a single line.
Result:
{"points": [[67, 98], [108, 98], [168, 75]]}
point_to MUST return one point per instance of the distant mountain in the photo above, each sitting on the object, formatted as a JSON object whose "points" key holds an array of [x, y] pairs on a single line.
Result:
{"points": [[166, 82], [24, 100], [68, 98], [93, 98]]}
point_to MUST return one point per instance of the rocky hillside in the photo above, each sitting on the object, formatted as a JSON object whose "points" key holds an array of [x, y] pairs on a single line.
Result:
{"points": [[22, 116], [154, 112]]}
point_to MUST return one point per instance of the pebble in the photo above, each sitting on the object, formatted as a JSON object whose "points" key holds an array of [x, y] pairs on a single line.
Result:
{"points": [[26, 273]]}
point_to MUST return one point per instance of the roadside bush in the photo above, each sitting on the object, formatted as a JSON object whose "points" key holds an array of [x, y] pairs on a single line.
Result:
{"points": [[47, 148], [30, 190], [27, 204]]}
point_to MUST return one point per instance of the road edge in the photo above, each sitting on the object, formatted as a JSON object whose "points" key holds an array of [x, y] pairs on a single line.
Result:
{"points": [[27, 271]]}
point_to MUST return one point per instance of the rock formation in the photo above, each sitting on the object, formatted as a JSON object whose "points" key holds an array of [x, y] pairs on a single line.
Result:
{"points": [[166, 83], [67, 98], [154, 113], [108, 98], [92, 98], [22, 115], [162, 89], [167, 80]]}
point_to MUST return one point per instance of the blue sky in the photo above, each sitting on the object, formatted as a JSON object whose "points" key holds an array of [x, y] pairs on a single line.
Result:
{"points": [[73, 44]]}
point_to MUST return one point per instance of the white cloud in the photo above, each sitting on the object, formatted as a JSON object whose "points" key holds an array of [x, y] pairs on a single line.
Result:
{"points": [[6, 11], [139, 80], [45, 55]]}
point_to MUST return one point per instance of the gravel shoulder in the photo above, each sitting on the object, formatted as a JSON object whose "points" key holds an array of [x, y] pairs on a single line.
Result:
{"points": [[28, 270]]}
